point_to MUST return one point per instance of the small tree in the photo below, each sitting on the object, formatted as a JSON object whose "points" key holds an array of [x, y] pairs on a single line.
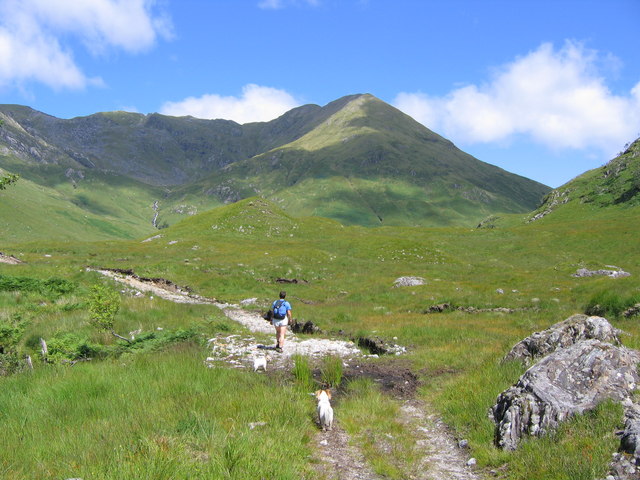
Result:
{"points": [[104, 304]]}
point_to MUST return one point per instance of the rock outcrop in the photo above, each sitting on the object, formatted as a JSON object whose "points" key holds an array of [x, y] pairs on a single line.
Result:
{"points": [[561, 335], [584, 272], [569, 381], [408, 282]]}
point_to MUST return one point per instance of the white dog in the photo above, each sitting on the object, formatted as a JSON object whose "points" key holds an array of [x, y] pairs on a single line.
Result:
{"points": [[259, 362], [325, 412]]}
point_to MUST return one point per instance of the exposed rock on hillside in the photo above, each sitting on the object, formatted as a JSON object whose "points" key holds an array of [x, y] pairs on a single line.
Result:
{"points": [[585, 272], [10, 259], [561, 335], [408, 281], [569, 381], [632, 311]]}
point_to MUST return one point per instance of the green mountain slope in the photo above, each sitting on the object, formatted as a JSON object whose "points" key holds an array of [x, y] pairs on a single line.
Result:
{"points": [[356, 160], [100, 208], [615, 184], [370, 164]]}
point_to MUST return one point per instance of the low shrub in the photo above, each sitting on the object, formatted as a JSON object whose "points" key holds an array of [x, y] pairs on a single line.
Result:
{"points": [[72, 347]]}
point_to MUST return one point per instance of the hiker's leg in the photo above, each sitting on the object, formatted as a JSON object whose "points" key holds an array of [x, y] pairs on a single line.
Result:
{"points": [[281, 333]]}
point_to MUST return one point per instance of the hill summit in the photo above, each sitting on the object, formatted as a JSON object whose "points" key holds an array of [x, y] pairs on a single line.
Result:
{"points": [[357, 160]]}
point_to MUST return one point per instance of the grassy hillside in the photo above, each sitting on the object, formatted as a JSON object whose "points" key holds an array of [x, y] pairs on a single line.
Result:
{"points": [[615, 184], [99, 208]]}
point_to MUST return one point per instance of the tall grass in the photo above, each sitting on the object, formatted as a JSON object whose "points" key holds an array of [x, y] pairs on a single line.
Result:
{"points": [[303, 373], [331, 371], [164, 417]]}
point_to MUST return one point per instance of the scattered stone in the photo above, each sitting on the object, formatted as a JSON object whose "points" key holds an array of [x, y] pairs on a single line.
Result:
{"points": [[569, 381], [446, 307], [9, 259], [291, 280], [408, 282], [307, 327], [632, 311], [463, 444], [471, 462], [253, 425], [500, 291], [440, 308], [563, 334], [248, 301], [584, 272], [155, 237], [623, 467], [377, 346]]}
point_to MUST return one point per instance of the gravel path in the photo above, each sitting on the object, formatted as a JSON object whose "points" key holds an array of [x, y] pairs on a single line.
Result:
{"points": [[443, 458]]}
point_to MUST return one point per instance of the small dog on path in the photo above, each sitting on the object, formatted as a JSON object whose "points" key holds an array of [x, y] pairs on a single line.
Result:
{"points": [[325, 412], [259, 362]]}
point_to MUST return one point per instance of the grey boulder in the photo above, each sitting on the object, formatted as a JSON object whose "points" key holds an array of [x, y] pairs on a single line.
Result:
{"points": [[569, 381], [561, 335]]}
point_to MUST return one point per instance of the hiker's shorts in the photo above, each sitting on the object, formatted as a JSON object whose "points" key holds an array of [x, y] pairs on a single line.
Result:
{"points": [[282, 322]]}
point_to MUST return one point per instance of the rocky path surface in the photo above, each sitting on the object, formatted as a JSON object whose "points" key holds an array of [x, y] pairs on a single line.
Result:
{"points": [[339, 458], [443, 458]]}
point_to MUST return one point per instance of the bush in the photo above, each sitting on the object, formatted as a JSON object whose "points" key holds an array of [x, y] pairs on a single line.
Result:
{"points": [[72, 347], [11, 332], [103, 307], [11, 363]]}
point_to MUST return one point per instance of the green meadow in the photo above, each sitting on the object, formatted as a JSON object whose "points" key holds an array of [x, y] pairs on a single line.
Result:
{"points": [[150, 409]]}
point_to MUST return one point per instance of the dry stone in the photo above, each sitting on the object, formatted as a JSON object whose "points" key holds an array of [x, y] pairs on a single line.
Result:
{"points": [[563, 334], [569, 381]]}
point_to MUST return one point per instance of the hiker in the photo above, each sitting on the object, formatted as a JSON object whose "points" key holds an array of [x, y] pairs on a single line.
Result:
{"points": [[281, 318]]}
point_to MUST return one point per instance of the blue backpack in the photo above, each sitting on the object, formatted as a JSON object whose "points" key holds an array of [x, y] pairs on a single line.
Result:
{"points": [[279, 309]]}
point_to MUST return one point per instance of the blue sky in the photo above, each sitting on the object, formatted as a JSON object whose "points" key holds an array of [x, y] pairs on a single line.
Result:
{"points": [[546, 89]]}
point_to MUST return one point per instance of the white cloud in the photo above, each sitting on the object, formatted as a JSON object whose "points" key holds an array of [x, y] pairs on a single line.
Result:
{"points": [[35, 36], [256, 104], [556, 97]]}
